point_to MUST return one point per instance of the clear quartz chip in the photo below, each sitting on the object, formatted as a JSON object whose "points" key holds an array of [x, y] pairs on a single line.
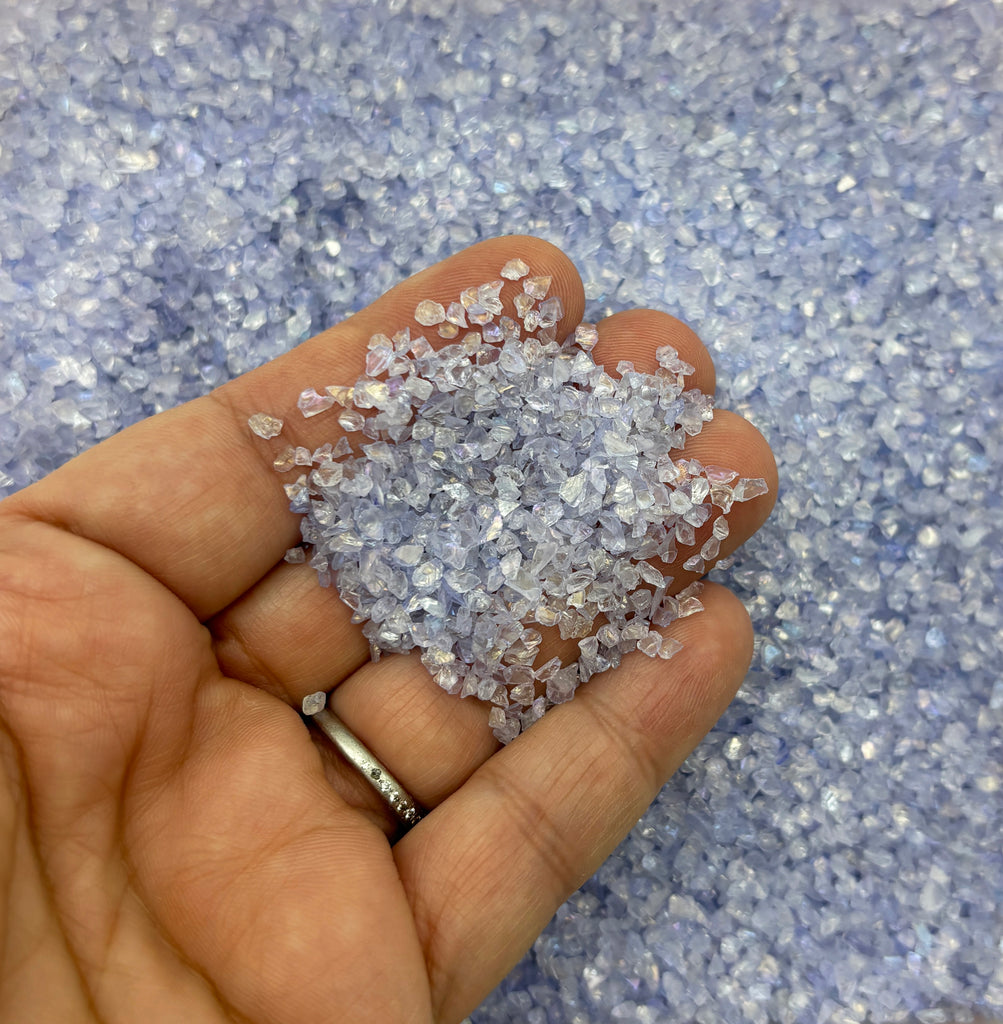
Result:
{"points": [[310, 403], [515, 269], [429, 313], [314, 702], [536, 287], [586, 336], [264, 425], [285, 460]]}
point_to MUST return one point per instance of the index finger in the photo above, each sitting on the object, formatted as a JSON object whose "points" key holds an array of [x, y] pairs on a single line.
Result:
{"points": [[191, 496]]}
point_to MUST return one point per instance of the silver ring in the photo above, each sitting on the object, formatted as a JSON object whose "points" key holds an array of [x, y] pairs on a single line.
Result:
{"points": [[396, 797]]}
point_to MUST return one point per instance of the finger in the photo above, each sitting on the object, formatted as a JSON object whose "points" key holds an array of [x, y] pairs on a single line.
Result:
{"points": [[636, 334], [190, 495], [285, 633], [489, 867]]}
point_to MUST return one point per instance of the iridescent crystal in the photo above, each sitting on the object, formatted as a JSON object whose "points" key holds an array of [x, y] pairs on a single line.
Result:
{"points": [[264, 425], [429, 313], [515, 269], [310, 403]]}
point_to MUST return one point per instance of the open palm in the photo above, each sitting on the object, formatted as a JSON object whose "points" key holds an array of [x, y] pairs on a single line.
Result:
{"points": [[174, 843]]}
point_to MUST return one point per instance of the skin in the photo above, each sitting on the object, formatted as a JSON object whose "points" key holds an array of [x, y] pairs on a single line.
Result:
{"points": [[175, 844]]}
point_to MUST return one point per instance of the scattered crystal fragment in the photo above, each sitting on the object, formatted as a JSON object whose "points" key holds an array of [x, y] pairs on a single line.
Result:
{"points": [[551, 311], [523, 304], [448, 331], [351, 420], [711, 546], [586, 336], [314, 702], [264, 425], [536, 287], [378, 360], [515, 269], [429, 313], [285, 460], [669, 648], [650, 644], [311, 404], [295, 556], [747, 489]]}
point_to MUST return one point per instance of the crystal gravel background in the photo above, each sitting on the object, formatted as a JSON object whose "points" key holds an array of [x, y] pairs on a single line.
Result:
{"points": [[187, 191]]}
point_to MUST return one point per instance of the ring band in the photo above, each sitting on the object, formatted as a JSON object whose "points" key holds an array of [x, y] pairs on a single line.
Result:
{"points": [[396, 797]]}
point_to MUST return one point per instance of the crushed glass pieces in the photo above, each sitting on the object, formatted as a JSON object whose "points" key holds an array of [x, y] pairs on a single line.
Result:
{"points": [[505, 482], [264, 425]]}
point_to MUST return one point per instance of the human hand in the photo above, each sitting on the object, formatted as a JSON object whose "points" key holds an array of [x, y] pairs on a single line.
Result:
{"points": [[177, 845]]}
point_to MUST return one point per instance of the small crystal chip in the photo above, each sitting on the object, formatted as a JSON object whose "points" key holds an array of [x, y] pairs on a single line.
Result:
{"points": [[586, 336], [456, 315], [351, 420], [551, 310], [314, 702], [311, 404], [650, 644], [285, 460], [295, 556], [515, 269], [669, 648], [536, 287], [429, 313], [264, 425]]}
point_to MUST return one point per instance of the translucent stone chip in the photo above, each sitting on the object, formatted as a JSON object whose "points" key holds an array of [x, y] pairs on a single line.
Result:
{"points": [[429, 313], [264, 425], [515, 269], [536, 287], [586, 336], [285, 460], [314, 702], [310, 403]]}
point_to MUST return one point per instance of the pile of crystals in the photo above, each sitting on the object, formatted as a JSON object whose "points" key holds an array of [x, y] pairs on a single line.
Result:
{"points": [[506, 482]]}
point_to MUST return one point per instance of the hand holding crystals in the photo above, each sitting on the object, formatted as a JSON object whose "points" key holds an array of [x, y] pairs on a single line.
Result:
{"points": [[183, 843]]}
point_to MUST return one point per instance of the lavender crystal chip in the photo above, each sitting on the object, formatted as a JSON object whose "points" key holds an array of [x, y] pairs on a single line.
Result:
{"points": [[429, 313], [264, 425], [314, 702], [515, 269], [311, 404], [500, 485]]}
